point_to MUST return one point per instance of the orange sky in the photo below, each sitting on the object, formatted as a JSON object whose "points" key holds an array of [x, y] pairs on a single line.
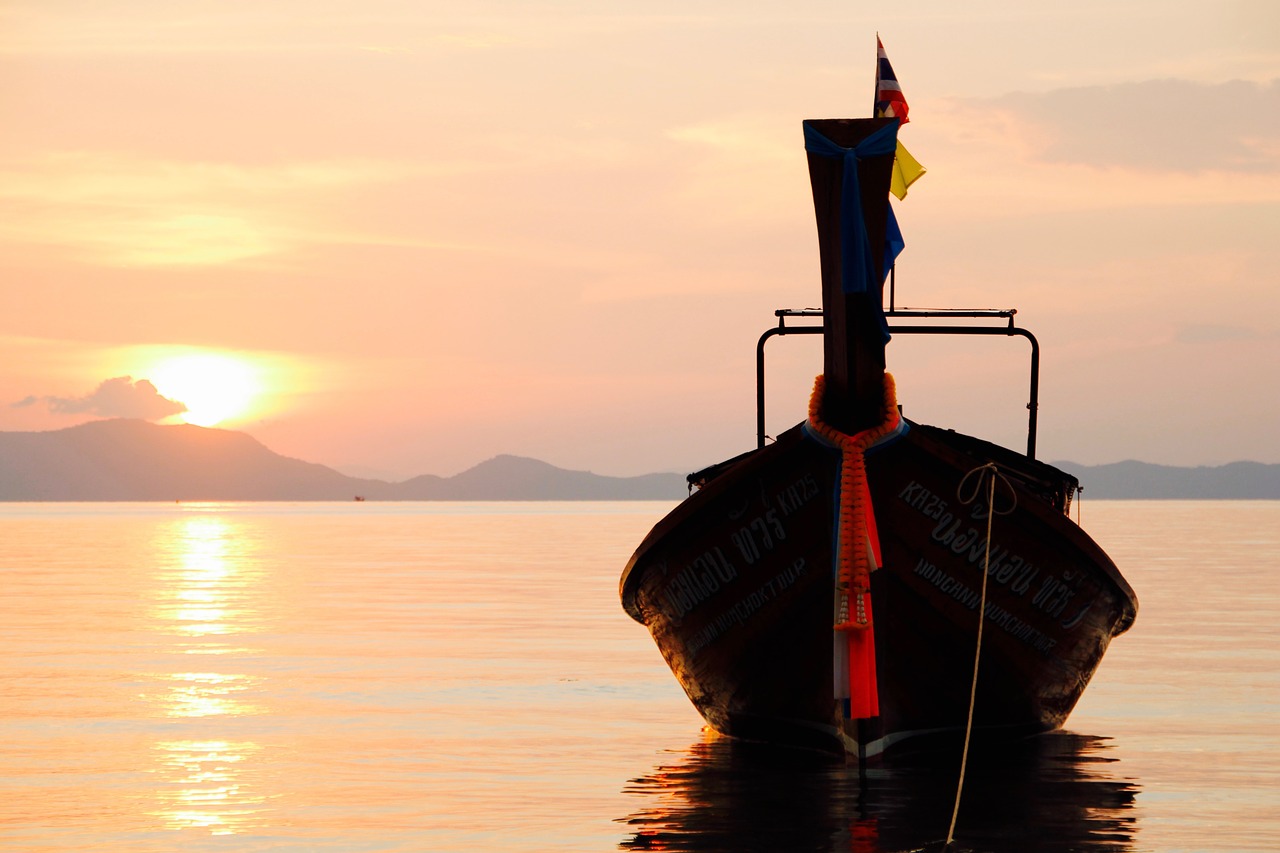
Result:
{"points": [[439, 232]]}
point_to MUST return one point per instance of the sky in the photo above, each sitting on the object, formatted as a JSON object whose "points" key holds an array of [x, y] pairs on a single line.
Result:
{"points": [[400, 238]]}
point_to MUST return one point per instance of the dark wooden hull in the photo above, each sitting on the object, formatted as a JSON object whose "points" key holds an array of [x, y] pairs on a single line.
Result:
{"points": [[736, 585]]}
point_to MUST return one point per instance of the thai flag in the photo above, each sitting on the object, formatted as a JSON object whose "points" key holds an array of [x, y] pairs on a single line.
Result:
{"points": [[890, 102]]}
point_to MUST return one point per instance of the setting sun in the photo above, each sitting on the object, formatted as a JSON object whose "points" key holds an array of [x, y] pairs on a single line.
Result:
{"points": [[213, 386]]}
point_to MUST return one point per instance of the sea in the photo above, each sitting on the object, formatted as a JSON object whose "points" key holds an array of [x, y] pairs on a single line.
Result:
{"points": [[372, 676]]}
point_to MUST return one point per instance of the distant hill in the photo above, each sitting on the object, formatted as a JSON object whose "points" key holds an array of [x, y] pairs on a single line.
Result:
{"points": [[1130, 480], [518, 478], [133, 460], [130, 460]]}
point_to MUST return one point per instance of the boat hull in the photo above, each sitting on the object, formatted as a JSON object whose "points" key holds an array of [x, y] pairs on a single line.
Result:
{"points": [[736, 586]]}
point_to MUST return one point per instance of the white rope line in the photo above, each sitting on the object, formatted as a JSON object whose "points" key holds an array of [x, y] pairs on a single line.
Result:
{"points": [[982, 609]]}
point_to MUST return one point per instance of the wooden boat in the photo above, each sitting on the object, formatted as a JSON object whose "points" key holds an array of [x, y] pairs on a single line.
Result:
{"points": [[824, 590]]}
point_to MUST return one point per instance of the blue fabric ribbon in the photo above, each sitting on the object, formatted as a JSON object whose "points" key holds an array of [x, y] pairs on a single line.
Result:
{"points": [[856, 266]]}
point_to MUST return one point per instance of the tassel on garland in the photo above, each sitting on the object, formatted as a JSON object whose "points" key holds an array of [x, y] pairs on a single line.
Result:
{"points": [[864, 692], [857, 548]]}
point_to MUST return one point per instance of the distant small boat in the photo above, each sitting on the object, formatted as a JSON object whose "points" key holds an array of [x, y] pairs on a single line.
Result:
{"points": [[359, 497], [826, 590]]}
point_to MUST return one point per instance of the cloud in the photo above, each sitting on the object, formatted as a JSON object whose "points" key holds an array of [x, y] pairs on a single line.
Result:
{"points": [[120, 397], [1155, 125], [1210, 333], [131, 211]]}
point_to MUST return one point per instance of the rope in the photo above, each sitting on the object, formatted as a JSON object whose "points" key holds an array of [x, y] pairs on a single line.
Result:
{"points": [[991, 472], [967, 494]]}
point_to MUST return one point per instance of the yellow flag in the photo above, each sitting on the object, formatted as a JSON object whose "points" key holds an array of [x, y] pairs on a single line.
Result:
{"points": [[906, 171]]}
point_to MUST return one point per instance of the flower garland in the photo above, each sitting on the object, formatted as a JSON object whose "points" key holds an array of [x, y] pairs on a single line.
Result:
{"points": [[857, 551], [857, 544]]}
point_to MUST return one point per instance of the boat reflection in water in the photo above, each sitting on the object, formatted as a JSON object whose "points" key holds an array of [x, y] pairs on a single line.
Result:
{"points": [[1055, 792]]}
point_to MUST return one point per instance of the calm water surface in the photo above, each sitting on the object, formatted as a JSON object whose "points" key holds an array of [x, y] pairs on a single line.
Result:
{"points": [[441, 677]]}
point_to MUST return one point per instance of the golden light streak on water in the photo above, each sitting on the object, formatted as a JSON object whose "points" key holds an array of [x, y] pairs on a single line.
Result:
{"points": [[207, 694], [206, 785], [208, 590], [207, 581]]}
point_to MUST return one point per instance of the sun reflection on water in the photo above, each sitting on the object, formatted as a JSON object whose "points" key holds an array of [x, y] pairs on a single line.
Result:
{"points": [[208, 598], [208, 583], [205, 786], [207, 694]]}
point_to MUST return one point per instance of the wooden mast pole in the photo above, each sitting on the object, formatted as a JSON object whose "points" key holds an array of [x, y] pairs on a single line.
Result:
{"points": [[853, 340]]}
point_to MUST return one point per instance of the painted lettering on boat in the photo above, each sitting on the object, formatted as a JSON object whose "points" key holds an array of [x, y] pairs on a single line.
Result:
{"points": [[1052, 597], [920, 498], [952, 533], [1078, 617], [997, 615], [750, 541], [697, 582], [1005, 568], [759, 536], [1055, 592], [746, 607], [796, 495]]}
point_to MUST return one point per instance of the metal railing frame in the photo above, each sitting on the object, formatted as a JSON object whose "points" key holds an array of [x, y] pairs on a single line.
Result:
{"points": [[1007, 330]]}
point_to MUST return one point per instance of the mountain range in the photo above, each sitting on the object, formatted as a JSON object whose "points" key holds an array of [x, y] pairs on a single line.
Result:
{"points": [[134, 460]]}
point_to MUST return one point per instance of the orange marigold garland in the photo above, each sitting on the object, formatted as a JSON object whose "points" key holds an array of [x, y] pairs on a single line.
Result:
{"points": [[857, 545]]}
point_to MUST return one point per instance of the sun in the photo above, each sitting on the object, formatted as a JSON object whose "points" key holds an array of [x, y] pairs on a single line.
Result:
{"points": [[215, 387]]}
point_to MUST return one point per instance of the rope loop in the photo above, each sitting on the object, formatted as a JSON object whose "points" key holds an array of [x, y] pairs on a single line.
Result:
{"points": [[970, 488]]}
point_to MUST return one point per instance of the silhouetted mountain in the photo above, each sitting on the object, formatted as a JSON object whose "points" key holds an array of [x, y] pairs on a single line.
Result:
{"points": [[521, 479], [1128, 480], [132, 460], [129, 460]]}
